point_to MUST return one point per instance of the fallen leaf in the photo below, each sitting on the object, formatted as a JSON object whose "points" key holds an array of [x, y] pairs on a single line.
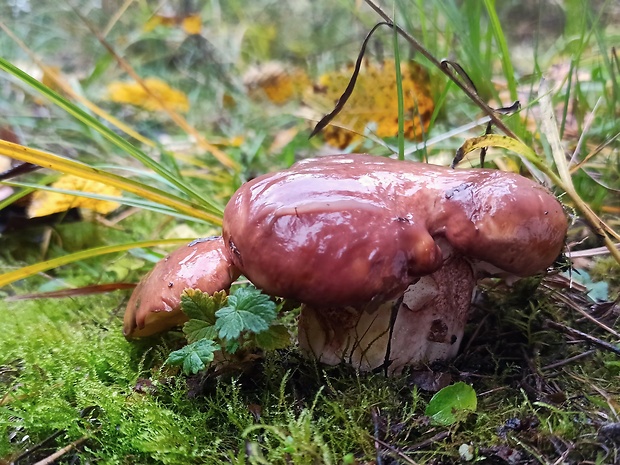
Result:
{"points": [[191, 24], [374, 103], [46, 203], [274, 81], [134, 94], [451, 404]]}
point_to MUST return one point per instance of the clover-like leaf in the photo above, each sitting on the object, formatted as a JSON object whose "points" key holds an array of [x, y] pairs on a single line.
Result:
{"points": [[194, 357], [247, 310], [451, 404]]}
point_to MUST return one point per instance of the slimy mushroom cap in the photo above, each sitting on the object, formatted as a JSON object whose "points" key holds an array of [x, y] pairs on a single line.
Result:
{"points": [[154, 305]]}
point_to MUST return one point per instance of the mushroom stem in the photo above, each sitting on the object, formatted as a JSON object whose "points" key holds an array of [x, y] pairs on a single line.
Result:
{"points": [[429, 324]]}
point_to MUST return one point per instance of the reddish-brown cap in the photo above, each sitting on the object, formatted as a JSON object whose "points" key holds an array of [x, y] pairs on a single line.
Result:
{"points": [[353, 229], [154, 305]]}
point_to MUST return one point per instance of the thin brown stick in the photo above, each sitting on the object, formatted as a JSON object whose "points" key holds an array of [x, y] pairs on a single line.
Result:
{"points": [[375, 420], [396, 451], [597, 322], [576, 333], [427, 442], [568, 360], [59, 453]]}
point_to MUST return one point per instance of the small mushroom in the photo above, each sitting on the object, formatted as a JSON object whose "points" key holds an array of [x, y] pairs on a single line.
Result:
{"points": [[154, 305], [352, 236]]}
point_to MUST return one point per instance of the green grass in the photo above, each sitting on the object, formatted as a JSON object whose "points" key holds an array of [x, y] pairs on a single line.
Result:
{"points": [[66, 370]]}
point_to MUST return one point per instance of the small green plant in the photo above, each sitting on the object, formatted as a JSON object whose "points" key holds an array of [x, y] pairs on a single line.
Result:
{"points": [[234, 325], [452, 404]]}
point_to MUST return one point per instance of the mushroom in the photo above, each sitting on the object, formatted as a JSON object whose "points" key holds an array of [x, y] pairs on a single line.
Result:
{"points": [[384, 254], [155, 304], [351, 236]]}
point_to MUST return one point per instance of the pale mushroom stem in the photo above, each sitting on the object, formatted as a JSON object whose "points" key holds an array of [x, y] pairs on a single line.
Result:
{"points": [[429, 325]]}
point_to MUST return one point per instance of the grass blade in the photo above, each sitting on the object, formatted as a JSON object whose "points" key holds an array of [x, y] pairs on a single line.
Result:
{"points": [[401, 100], [130, 202], [91, 122], [500, 38], [549, 127], [27, 271], [68, 166]]}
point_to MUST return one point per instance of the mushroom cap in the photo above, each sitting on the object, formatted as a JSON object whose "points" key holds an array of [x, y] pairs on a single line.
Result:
{"points": [[349, 230], [154, 305]]}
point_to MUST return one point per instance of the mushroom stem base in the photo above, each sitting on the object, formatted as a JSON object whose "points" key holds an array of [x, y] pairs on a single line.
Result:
{"points": [[428, 325]]}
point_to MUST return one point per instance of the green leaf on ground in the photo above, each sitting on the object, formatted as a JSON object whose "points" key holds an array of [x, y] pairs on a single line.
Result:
{"points": [[451, 404], [194, 357], [247, 310], [200, 307]]}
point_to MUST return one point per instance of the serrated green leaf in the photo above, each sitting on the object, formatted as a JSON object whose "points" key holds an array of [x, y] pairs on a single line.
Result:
{"points": [[232, 346], [199, 305], [194, 357], [276, 337], [195, 330], [451, 404], [246, 310]]}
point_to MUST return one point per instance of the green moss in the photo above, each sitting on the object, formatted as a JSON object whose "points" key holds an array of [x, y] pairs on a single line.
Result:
{"points": [[65, 367], [607, 270]]}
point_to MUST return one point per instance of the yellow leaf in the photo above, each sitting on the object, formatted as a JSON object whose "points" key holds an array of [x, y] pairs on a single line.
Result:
{"points": [[373, 103], [133, 93], [48, 77], [160, 20], [46, 203], [192, 24], [275, 82], [151, 23]]}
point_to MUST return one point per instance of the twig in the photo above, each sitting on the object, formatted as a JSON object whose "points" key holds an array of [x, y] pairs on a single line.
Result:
{"points": [[479, 327], [59, 453], [597, 322], [375, 420], [568, 360], [396, 451], [438, 437], [575, 333], [590, 252]]}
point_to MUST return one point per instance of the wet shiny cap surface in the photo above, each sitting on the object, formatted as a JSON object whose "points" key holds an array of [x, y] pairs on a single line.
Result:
{"points": [[353, 229]]}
